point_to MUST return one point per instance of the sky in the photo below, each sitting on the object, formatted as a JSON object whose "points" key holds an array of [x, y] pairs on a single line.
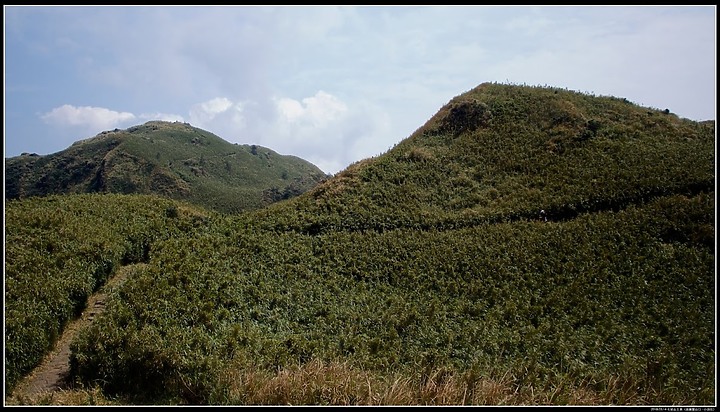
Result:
{"points": [[332, 85]]}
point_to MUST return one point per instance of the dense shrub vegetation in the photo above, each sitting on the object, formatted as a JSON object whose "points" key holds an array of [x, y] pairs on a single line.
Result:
{"points": [[425, 273], [60, 249]]}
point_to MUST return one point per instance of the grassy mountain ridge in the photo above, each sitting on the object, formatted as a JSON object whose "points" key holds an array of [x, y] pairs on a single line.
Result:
{"points": [[501, 152], [428, 265], [174, 160]]}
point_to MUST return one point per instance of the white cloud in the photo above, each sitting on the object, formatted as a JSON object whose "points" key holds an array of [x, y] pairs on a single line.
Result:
{"points": [[96, 118], [315, 126], [168, 117], [289, 109], [218, 109], [216, 105], [325, 130], [320, 128], [318, 111]]}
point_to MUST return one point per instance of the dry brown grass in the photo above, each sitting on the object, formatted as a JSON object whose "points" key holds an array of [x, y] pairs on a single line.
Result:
{"points": [[334, 383], [62, 397], [420, 154]]}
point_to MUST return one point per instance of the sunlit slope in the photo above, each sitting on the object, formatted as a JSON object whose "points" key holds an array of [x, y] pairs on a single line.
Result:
{"points": [[501, 152], [174, 160]]}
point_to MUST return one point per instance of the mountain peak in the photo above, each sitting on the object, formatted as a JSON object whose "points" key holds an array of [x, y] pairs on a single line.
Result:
{"points": [[171, 159], [502, 152]]}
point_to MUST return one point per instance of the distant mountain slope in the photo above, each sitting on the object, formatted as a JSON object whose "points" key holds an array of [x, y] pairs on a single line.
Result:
{"points": [[175, 160], [505, 152]]}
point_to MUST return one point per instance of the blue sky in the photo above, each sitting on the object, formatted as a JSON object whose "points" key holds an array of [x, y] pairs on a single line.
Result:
{"points": [[332, 85]]}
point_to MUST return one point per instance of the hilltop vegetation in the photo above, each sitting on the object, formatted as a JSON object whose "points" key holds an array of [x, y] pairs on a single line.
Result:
{"points": [[174, 160], [499, 153], [422, 276]]}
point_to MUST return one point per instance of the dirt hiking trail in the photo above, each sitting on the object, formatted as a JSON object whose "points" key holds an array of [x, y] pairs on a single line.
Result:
{"points": [[53, 372]]}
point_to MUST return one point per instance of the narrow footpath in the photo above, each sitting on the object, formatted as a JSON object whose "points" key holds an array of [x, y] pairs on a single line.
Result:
{"points": [[53, 373]]}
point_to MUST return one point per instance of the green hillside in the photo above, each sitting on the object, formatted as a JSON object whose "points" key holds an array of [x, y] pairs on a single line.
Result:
{"points": [[174, 160], [499, 153], [424, 276]]}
